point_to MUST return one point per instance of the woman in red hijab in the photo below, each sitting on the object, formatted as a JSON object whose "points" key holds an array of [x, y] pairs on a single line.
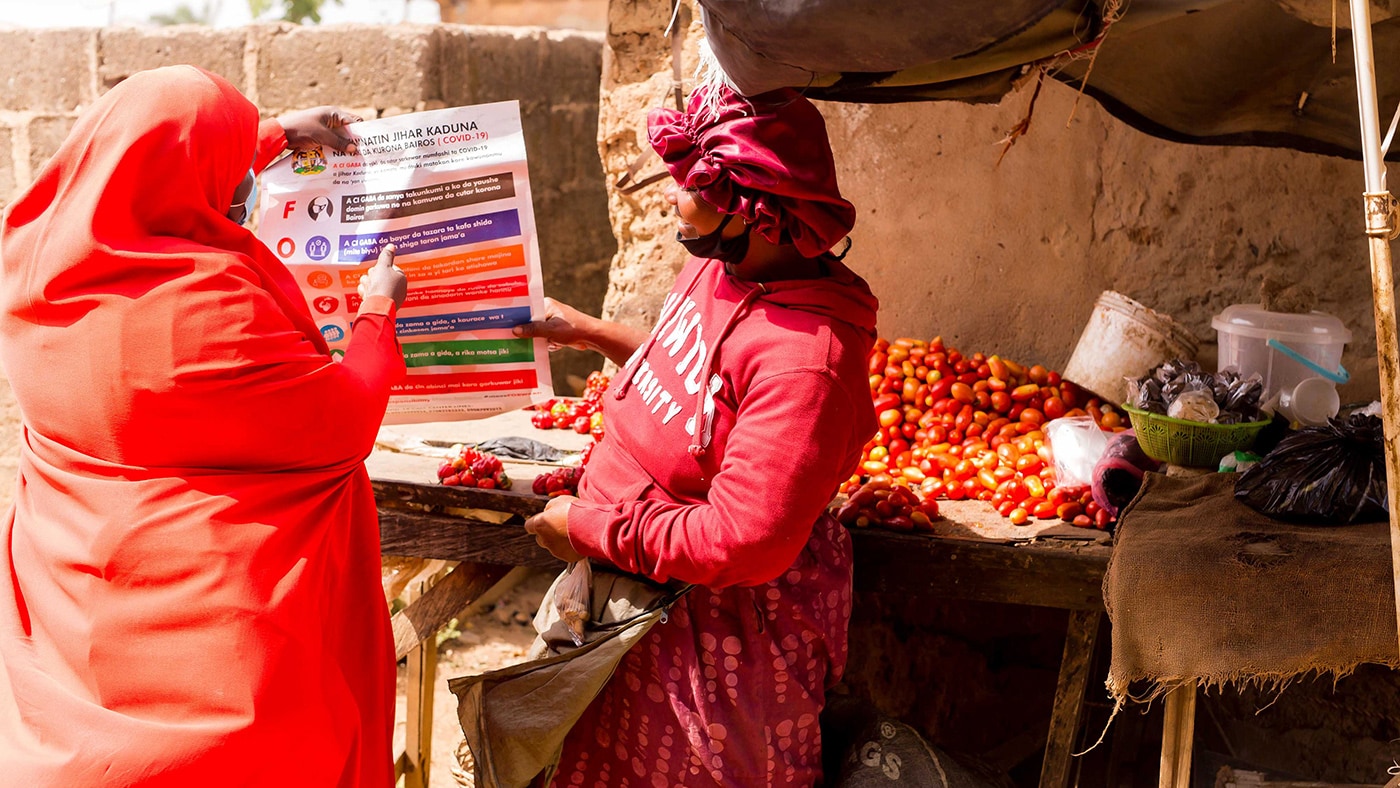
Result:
{"points": [[190, 591], [729, 429]]}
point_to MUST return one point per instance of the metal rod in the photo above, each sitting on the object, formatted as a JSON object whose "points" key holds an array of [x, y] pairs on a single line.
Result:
{"points": [[1366, 95], [1380, 229]]}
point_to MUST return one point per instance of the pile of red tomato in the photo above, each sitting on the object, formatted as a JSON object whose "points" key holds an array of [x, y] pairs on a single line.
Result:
{"points": [[584, 415], [472, 468], [971, 427], [560, 481]]}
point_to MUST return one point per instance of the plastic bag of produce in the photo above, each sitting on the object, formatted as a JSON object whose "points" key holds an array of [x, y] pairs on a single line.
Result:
{"points": [[1329, 475], [1077, 443], [1118, 473], [573, 596]]}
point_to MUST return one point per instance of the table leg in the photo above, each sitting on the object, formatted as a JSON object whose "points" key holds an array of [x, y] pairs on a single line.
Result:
{"points": [[1178, 731], [1069, 697], [418, 739]]}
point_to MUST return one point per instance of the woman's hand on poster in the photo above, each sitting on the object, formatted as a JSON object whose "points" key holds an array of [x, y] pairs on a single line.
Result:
{"points": [[551, 529], [325, 126], [561, 326], [385, 279]]}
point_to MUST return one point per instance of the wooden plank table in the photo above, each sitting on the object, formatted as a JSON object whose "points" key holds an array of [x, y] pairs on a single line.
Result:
{"points": [[973, 554]]}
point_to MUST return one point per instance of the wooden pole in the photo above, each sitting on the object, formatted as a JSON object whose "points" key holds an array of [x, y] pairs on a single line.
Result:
{"points": [[1080, 636], [1380, 229], [1178, 735]]}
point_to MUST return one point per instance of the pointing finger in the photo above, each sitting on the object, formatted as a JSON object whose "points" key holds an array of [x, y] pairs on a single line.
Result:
{"points": [[386, 256]]}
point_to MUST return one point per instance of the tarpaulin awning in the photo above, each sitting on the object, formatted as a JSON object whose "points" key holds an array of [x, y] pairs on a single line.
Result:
{"points": [[1224, 72]]}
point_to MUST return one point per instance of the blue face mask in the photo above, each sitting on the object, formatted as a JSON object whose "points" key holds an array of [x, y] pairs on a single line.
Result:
{"points": [[243, 211]]}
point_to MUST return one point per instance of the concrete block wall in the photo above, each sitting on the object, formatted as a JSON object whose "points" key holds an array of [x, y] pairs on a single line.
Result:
{"points": [[49, 76]]}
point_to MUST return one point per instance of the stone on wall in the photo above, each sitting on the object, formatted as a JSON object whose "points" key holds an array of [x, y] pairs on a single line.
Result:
{"points": [[45, 135], [46, 70], [7, 165], [636, 78], [391, 67], [124, 51]]}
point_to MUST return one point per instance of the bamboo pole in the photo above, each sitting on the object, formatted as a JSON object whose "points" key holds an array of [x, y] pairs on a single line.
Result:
{"points": [[1380, 229]]}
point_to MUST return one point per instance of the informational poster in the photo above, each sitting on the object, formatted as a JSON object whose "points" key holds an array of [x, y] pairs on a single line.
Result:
{"points": [[451, 190]]}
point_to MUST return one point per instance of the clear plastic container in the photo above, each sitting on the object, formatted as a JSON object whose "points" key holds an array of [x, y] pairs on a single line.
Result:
{"points": [[1283, 347]]}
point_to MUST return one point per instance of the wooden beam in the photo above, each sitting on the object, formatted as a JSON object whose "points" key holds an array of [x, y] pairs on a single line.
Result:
{"points": [[1080, 637], [1029, 574], [1068, 577], [436, 496], [405, 532], [421, 620]]}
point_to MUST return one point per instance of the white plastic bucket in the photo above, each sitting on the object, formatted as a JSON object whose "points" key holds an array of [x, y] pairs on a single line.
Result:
{"points": [[1124, 339]]}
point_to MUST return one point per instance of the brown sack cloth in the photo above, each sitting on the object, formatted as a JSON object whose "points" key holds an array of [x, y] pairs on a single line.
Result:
{"points": [[1202, 588]]}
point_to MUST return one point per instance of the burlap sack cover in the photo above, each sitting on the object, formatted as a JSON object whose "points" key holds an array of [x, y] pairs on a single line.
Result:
{"points": [[1202, 588]]}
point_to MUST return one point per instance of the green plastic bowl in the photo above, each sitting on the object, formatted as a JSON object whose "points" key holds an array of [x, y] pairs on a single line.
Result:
{"points": [[1191, 443]]}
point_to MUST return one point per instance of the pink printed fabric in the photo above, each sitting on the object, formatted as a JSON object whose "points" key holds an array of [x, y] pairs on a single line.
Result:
{"points": [[728, 690]]}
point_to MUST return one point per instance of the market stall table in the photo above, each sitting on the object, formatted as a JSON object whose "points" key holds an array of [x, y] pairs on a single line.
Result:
{"points": [[973, 554], [1203, 591]]}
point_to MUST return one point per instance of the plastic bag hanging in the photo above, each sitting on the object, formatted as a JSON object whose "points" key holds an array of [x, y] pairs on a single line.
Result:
{"points": [[1334, 474]]}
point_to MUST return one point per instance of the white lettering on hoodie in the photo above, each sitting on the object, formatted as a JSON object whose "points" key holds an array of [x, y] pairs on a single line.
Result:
{"points": [[708, 407]]}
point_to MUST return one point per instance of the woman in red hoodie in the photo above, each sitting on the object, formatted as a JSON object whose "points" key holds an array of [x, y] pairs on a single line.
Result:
{"points": [[729, 428], [191, 565]]}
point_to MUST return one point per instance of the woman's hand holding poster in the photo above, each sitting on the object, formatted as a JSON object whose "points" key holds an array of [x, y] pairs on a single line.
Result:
{"points": [[451, 190]]}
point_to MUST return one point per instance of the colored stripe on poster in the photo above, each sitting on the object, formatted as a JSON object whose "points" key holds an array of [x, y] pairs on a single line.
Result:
{"points": [[466, 382], [463, 321], [427, 237], [469, 351], [491, 289], [479, 261]]}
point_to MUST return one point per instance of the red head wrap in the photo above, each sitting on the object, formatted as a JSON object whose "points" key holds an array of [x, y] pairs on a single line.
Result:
{"points": [[765, 158]]}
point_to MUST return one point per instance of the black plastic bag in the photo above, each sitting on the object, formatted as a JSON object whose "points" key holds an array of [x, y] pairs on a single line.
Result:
{"points": [[1334, 474]]}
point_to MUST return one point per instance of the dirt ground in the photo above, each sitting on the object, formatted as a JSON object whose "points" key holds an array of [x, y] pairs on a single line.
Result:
{"points": [[490, 636]]}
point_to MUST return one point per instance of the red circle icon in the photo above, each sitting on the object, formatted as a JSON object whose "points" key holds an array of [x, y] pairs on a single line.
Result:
{"points": [[326, 304], [319, 280], [286, 247]]}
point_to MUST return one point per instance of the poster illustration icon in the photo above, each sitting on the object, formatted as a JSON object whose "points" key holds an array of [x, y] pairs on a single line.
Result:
{"points": [[326, 304], [320, 206], [319, 280], [332, 332], [308, 161], [318, 248]]}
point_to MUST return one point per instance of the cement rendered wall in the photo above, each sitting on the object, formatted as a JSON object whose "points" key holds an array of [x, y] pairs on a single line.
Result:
{"points": [[1010, 258], [48, 76]]}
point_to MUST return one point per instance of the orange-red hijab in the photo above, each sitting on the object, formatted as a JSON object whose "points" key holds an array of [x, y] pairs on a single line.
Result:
{"points": [[123, 239]]}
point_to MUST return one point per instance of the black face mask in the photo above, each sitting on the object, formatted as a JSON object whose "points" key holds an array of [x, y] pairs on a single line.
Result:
{"points": [[730, 251]]}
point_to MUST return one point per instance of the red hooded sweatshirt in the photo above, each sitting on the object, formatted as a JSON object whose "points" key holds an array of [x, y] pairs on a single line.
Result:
{"points": [[720, 484]]}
